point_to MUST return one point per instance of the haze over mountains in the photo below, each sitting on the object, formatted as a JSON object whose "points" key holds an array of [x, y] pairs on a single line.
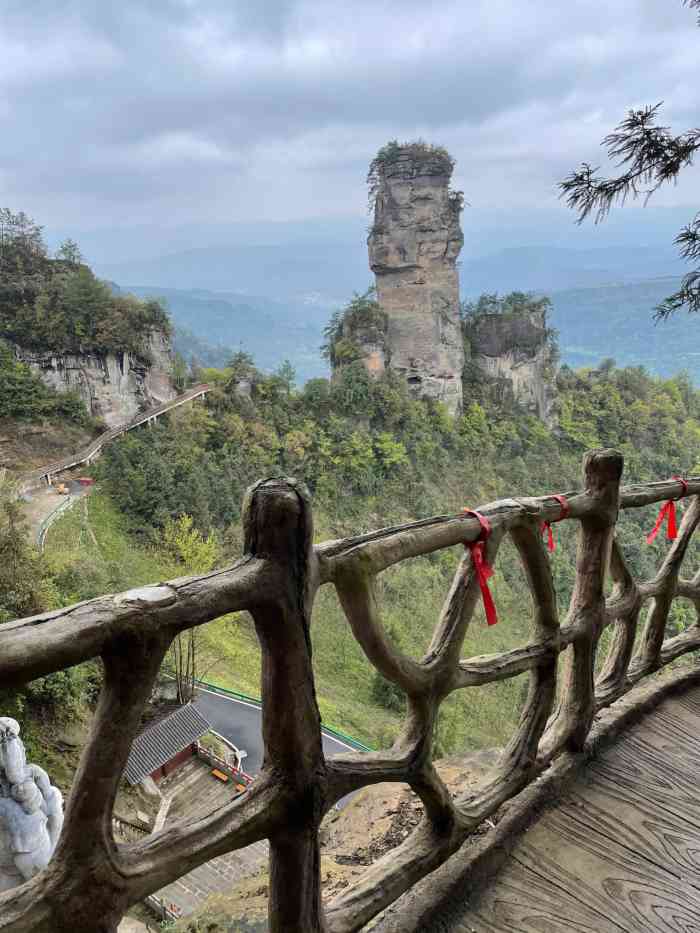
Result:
{"points": [[270, 288]]}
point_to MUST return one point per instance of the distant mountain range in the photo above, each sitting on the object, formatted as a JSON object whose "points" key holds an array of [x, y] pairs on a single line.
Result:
{"points": [[618, 321], [210, 326], [274, 300], [550, 269], [327, 273]]}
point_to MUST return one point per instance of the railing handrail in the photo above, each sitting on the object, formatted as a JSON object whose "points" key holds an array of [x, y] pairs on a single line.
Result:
{"points": [[276, 581]]}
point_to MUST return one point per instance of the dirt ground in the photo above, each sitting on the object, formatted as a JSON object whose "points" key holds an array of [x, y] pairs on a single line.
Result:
{"points": [[377, 819]]}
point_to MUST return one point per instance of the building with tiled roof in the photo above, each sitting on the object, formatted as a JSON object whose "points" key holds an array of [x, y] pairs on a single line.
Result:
{"points": [[166, 744]]}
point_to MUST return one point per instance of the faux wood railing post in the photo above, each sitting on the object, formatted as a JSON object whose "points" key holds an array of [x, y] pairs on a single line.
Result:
{"points": [[91, 880], [573, 718], [651, 642], [278, 529], [627, 599]]}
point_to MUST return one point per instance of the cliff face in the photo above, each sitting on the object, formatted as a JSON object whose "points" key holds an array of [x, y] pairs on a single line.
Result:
{"points": [[413, 248], [114, 386], [514, 349]]}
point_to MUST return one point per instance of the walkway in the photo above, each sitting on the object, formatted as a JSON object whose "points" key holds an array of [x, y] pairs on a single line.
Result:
{"points": [[87, 454], [43, 503], [197, 794], [620, 853]]}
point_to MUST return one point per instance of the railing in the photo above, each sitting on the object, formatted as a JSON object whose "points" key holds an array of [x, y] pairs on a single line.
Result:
{"points": [[125, 829], [91, 880], [53, 517], [218, 762], [165, 912]]}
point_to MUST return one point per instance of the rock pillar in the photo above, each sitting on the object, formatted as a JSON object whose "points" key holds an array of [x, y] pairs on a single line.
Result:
{"points": [[413, 248]]}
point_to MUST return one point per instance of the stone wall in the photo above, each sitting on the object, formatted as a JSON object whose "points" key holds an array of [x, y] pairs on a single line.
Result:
{"points": [[114, 386], [413, 248]]}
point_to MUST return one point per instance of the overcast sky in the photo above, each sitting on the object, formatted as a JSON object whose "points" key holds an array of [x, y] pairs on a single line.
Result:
{"points": [[205, 111]]}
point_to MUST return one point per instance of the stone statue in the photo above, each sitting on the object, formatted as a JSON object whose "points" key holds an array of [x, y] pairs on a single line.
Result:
{"points": [[31, 811]]}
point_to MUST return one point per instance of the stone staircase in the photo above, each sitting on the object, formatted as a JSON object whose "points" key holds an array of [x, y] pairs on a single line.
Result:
{"points": [[196, 793]]}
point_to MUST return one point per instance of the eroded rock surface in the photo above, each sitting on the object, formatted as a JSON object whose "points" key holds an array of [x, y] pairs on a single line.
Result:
{"points": [[114, 386], [515, 349], [413, 248]]}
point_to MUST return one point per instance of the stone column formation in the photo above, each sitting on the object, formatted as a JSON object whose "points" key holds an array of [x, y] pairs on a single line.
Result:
{"points": [[413, 248]]}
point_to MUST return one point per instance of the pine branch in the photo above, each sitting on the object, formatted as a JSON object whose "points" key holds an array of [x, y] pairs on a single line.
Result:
{"points": [[652, 156], [693, 4], [688, 296]]}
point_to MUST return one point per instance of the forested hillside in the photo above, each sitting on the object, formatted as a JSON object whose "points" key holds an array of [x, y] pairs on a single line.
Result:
{"points": [[56, 304], [168, 503], [169, 500], [618, 320]]}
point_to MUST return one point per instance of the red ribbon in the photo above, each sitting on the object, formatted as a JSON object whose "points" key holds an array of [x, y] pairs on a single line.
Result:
{"points": [[482, 568], [547, 526], [668, 513]]}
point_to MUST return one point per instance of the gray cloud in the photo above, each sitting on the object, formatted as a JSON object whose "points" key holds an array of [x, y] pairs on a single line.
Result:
{"points": [[179, 111]]}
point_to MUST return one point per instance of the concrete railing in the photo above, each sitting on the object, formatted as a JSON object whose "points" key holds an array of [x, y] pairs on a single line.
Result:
{"points": [[93, 882]]}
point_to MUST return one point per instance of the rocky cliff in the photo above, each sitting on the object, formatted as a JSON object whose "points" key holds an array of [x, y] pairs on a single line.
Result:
{"points": [[516, 353], [114, 386], [413, 248]]}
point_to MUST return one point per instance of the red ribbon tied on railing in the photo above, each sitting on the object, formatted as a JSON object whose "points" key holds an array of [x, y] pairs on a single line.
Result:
{"points": [[668, 513], [547, 526], [482, 568]]}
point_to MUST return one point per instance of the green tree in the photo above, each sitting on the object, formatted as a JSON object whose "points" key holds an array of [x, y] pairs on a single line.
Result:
{"points": [[196, 554], [69, 252], [181, 373], [188, 546], [24, 589]]}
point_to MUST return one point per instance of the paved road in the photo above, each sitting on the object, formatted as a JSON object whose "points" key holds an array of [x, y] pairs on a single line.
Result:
{"points": [[241, 723], [42, 502]]}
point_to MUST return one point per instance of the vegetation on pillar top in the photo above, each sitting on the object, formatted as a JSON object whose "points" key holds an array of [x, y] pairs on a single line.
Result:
{"points": [[520, 318], [410, 159]]}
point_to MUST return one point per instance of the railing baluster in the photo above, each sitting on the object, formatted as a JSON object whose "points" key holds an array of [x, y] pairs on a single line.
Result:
{"points": [[648, 658], [278, 528], [91, 879], [576, 706], [626, 602], [521, 752]]}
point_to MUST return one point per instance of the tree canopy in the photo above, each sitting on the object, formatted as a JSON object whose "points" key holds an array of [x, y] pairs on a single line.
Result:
{"points": [[58, 305]]}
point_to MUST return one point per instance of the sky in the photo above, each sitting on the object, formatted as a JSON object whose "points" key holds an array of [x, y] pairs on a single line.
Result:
{"points": [[196, 113]]}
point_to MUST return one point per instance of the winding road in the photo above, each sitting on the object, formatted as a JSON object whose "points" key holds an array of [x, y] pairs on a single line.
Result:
{"points": [[240, 722], [35, 486]]}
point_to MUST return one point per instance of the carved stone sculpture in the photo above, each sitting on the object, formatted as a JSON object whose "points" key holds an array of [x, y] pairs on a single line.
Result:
{"points": [[31, 811]]}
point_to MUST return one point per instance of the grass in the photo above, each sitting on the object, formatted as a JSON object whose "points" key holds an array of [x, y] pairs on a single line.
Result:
{"points": [[90, 552], [91, 548]]}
